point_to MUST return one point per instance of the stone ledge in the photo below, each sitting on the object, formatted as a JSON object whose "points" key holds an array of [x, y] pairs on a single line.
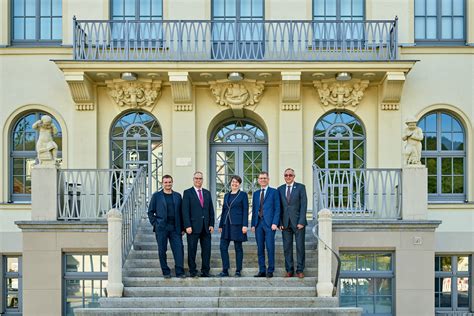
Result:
{"points": [[356, 225], [99, 225]]}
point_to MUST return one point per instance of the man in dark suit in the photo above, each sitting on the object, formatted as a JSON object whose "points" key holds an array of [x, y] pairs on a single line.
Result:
{"points": [[198, 217], [265, 218], [294, 204], [164, 213]]}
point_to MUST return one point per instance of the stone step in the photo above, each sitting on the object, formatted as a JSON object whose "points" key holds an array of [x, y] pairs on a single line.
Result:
{"points": [[153, 254], [221, 302], [247, 246], [296, 311], [245, 282], [247, 271], [216, 291], [251, 236]]}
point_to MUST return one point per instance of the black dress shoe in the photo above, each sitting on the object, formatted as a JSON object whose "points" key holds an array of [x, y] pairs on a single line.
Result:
{"points": [[238, 274], [167, 276], [193, 275], [223, 274], [206, 275], [260, 275], [270, 275]]}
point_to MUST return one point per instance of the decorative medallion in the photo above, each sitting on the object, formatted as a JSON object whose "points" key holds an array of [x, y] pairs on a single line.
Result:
{"points": [[341, 94], [142, 93]]}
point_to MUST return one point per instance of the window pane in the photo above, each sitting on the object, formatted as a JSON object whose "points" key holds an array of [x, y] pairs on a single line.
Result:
{"points": [[73, 296], [419, 7], [445, 295], [358, 7], [330, 8], [458, 184], [347, 301], [463, 264], [431, 28], [458, 7], [145, 9], [365, 262], [348, 287], [318, 7], [446, 28], [445, 263], [117, 7], [74, 263], [446, 184], [463, 292], [92, 263], [446, 7], [12, 264], [129, 7], [431, 165], [346, 9], [365, 286], [19, 185], [257, 8], [18, 8], [91, 293], [12, 300], [45, 28], [432, 184], [366, 303], [18, 28], [104, 263], [383, 262], [57, 35], [446, 166], [383, 304], [57, 8], [458, 28], [30, 7], [45, 8], [431, 123], [446, 143], [420, 31], [348, 262], [30, 28], [245, 8], [458, 141], [12, 284], [430, 141], [383, 286], [431, 7]]}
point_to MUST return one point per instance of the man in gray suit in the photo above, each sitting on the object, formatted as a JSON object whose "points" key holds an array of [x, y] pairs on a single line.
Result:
{"points": [[293, 222]]}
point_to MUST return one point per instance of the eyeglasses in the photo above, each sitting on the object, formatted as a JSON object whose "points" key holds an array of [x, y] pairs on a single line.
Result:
{"points": [[262, 178], [289, 175], [197, 178]]}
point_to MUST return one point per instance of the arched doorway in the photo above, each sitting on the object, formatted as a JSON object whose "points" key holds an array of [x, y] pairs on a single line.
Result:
{"points": [[238, 147], [136, 141]]}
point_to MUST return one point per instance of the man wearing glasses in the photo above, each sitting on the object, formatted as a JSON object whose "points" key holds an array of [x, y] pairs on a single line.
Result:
{"points": [[265, 218], [198, 218], [293, 222]]}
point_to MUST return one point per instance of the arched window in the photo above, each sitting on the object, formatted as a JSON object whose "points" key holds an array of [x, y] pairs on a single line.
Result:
{"points": [[444, 154], [339, 142], [238, 147], [23, 153], [136, 141]]}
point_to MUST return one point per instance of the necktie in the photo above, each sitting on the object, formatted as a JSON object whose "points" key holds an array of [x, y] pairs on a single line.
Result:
{"points": [[262, 197], [288, 193], [201, 199]]}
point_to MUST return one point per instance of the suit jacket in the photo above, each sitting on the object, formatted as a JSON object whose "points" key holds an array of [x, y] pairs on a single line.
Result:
{"points": [[295, 210], [238, 213], [194, 215], [158, 211], [271, 207]]}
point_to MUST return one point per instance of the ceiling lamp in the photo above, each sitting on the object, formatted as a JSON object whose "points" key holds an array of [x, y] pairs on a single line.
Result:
{"points": [[128, 76], [343, 76], [235, 76]]}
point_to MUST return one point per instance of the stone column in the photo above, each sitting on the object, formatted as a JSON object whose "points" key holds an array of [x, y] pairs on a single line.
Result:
{"points": [[291, 125], [324, 286], [415, 192], [114, 280], [44, 192]]}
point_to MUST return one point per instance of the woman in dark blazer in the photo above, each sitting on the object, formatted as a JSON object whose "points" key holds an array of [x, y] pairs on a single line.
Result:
{"points": [[233, 225]]}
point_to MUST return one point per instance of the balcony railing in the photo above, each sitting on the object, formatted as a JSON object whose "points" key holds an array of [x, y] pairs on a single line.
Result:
{"points": [[359, 193], [87, 194], [235, 40]]}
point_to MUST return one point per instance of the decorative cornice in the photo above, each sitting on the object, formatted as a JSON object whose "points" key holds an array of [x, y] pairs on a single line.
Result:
{"points": [[141, 93], [291, 91], [341, 94], [93, 226], [82, 90], [237, 95], [392, 87], [181, 91], [361, 225]]}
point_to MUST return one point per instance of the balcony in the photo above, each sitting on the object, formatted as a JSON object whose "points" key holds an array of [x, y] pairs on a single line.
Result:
{"points": [[235, 40]]}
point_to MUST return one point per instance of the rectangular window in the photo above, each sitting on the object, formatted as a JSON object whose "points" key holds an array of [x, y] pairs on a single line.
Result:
{"points": [[440, 21], [84, 281], [36, 22], [452, 283], [367, 281], [12, 284]]}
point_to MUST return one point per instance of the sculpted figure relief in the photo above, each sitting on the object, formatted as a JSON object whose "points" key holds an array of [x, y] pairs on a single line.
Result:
{"points": [[46, 148], [237, 95], [341, 94], [412, 135], [134, 94]]}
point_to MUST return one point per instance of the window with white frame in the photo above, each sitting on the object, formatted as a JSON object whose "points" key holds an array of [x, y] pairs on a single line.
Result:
{"points": [[440, 21], [36, 22], [444, 155], [452, 283], [367, 281], [12, 284], [84, 281]]}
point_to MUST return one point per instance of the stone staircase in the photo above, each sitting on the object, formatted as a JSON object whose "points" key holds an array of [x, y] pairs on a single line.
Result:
{"points": [[146, 292]]}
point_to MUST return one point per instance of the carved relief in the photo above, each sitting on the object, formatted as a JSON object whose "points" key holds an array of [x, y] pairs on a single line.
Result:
{"points": [[291, 91], [82, 90], [341, 94], [392, 88], [136, 94]]}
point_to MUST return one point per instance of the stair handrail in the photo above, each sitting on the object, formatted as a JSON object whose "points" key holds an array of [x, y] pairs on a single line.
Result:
{"points": [[133, 209], [338, 271]]}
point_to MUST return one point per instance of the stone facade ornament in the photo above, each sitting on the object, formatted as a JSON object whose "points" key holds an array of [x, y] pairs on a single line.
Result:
{"points": [[141, 93], [412, 135], [392, 87], [291, 91], [46, 148], [341, 94], [82, 90], [237, 95], [181, 91]]}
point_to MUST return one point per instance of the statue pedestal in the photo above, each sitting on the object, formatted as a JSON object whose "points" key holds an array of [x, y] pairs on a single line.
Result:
{"points": [[44, 192], [415, 192]]}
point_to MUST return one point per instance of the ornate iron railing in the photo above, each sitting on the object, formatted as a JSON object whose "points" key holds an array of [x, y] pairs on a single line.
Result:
{"points": [[358, 193], [91, 193], [204, 40]]}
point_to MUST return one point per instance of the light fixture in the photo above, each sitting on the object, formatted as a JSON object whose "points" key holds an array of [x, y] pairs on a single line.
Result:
{"points": [[235, 76], [343, 76], [128, 76]]}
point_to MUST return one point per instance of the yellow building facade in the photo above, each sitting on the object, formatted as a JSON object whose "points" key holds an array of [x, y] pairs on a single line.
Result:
{"points": [[190, 113]]}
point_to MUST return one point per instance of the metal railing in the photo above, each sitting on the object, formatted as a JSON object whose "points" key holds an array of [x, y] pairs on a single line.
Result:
{"points": [[133, 209], [204, 40], [358, 193], [90, 193]]}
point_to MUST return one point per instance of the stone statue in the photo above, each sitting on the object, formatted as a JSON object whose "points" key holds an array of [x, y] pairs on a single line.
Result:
{"points": [[412, 135], [46, 148]]}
